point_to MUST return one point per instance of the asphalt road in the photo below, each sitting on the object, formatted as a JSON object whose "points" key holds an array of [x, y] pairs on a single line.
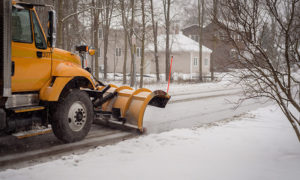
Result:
{"points": [[185, 110], [192, 110]]}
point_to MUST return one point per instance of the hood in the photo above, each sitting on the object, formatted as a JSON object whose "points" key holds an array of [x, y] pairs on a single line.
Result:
{"points": [[63, 55]]}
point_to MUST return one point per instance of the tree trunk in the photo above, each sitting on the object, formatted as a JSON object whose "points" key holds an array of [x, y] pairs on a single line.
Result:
{"points": [[93, 23], [108, 7], [105, 50], [214, 54], [143, 44], [154, 27], [125, 57], [200, 18], [60, 24], [167, 5], [132, 46], [76, 24], [115, 65], [95, 69], [125, 24]]}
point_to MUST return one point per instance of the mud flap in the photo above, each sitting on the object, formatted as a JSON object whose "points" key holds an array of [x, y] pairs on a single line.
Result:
{"points": [[130, 105]]}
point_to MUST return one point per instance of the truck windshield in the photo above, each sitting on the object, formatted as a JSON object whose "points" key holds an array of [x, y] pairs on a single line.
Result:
{"points": [[39, 38], [21, 26]]}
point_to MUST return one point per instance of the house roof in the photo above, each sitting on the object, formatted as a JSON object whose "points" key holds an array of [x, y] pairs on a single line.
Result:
{"points": [[178, 43]]}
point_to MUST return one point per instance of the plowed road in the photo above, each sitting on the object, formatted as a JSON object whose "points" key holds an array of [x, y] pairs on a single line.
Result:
{"points": [[185, 110], [194, 109]]}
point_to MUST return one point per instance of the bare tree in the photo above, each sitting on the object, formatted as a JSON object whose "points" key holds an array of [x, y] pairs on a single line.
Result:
{"points": [[201, 21], [263, 75], [125, 27], [215, 18], [154, 28], [128, 13], [132, 45], [167, 5], [143, 44], [106, 15], [60, 24], [95, 37], [68, 31]]}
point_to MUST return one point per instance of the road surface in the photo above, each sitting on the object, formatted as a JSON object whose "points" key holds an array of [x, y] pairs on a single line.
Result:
{"points": [[185, 110], [188, 110]]}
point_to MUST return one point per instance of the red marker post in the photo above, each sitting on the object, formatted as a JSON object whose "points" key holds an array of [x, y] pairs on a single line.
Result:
{"points": [[170, 74]]}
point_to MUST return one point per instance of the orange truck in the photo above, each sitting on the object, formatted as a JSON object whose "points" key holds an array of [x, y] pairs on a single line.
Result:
{"points": [[41, 85]]}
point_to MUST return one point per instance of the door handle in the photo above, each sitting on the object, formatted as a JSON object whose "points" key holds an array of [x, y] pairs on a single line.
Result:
{"points": [[12, 68], [39, 54]]}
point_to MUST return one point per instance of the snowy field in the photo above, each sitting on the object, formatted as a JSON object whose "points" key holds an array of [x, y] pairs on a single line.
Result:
{"points": [[258, 145]]}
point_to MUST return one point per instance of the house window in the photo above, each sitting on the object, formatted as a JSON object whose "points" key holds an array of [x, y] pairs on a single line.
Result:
{"points": [[99, 52], [100, 33], [206, 62], [138, 52], [118, 52], [195, 61]]}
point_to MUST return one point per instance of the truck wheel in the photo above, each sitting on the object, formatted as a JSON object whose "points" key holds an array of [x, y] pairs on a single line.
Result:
{"points": [[73, 116]]}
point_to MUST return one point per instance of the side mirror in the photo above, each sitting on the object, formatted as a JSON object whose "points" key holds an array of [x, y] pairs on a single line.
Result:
{"points": [[52, 29]]}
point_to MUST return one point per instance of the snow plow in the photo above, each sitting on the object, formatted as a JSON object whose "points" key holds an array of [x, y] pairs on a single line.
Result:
{"points": [[129, 105], [41, 85]]}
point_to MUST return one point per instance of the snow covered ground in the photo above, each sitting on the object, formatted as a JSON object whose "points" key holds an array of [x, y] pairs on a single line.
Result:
{"points": [[181, 82], [258, 145]]}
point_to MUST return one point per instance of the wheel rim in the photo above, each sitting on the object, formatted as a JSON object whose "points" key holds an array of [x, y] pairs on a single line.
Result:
{"points": [[77, 116]]}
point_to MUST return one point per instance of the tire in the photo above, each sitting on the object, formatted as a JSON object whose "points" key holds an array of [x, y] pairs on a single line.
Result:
{"points": [[73, 116]]}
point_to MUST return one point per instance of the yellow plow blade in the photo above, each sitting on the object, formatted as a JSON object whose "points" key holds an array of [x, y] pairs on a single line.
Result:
{"points": [[129, 105]]}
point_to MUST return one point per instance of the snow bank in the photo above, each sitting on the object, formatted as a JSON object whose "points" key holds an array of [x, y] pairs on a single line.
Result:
{"points": [[224, 81], [261, 145]]}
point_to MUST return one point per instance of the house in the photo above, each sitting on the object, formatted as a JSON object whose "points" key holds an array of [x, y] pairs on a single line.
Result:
{"points": [[185, 52], [217, 40], [116, 53]]}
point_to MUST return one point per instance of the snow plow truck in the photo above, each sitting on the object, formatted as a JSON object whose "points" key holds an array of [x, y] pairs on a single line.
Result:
{"points": [[41, 85]]}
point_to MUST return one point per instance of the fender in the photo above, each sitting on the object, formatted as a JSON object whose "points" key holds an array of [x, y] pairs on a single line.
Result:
{"points": [[68, 69], [62, 75], [52, 90]]}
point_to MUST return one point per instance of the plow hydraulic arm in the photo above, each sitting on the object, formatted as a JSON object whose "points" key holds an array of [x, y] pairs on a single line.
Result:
{"points": [[124, 105]]}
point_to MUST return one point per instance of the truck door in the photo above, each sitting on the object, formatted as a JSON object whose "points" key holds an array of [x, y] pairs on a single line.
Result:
{"points": [[30, 54]]}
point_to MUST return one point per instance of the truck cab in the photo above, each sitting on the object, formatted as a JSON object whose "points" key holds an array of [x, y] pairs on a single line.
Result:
{"points": [[40, 76], [31, 55]]}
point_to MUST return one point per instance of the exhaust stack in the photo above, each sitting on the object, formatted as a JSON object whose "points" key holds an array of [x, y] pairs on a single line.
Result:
{"points": [[5, 48]]}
